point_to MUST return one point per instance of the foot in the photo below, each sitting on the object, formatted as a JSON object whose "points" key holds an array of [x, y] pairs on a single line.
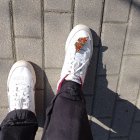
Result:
{"points": [[78, 49], [20, 84]]}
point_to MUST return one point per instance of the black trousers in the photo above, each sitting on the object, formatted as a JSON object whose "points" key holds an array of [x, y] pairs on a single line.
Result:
{"points": [[66, 119]]}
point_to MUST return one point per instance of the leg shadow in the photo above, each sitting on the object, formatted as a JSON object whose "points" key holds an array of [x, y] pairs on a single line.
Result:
{"points": [[111, 117], [43, 94]]}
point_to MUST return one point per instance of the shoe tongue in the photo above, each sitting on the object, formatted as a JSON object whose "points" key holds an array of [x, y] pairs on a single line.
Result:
{"points": [[77, 64], [79, 57]]}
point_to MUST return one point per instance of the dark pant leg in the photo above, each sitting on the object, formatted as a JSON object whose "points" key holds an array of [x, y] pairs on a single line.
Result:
{"points": [[66, 117], [19, 125]]}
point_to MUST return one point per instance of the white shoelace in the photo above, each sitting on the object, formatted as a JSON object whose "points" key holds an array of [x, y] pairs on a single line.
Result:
{"points": [[20, 96], [76, 66]]}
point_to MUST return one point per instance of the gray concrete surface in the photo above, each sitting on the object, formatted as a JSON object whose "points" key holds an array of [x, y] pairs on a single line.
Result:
{"points": [[36, 31]]}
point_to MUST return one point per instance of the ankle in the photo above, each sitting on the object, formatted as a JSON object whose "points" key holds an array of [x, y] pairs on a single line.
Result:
{"points": [[69, 85], [74, 78]]}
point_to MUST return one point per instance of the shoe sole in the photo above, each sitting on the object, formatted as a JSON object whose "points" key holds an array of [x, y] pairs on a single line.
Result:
{"points": [[76, 29], [22, 63]]}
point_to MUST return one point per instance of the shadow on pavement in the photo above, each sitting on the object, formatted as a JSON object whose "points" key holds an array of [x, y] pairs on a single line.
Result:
{"points": [[111, 116], [136, 3], [42, 96]]}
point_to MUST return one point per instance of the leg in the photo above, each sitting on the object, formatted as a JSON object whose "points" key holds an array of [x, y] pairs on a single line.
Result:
{"points": [[19, 125], [67, 117], [21, 122]]}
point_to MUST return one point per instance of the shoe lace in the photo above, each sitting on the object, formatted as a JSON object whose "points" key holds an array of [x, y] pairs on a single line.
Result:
{"points": [[21, 96], [76, 66]]}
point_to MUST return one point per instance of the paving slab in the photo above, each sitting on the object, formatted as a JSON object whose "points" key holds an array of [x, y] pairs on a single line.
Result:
{"points": [[30, 49], [53, 75], [129, 78], [61, 5], [5, 66], [137, 116], [5, 35], [113, 38], [3, 113], [105, 96], [100, 129], [118, 138], [135, 133], [27, 18], [57, 28], [89, 13], [116, 10], [133, 34], [39, 134], [122, 118], [89, 102], [40, 106]]}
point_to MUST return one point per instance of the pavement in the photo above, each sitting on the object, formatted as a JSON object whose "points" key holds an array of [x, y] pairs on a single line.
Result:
{"points": [[36, 31]]}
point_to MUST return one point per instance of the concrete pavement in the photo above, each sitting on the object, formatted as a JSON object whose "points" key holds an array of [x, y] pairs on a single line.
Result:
{"points": [[36, 31]]}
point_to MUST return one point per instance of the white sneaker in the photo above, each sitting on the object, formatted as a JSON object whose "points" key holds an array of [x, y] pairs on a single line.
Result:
{"points": [[78, 49], [20, 85]]}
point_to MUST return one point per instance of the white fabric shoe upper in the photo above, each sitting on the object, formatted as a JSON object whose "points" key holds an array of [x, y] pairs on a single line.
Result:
{"points": [[76, 62], [20, 84]]}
